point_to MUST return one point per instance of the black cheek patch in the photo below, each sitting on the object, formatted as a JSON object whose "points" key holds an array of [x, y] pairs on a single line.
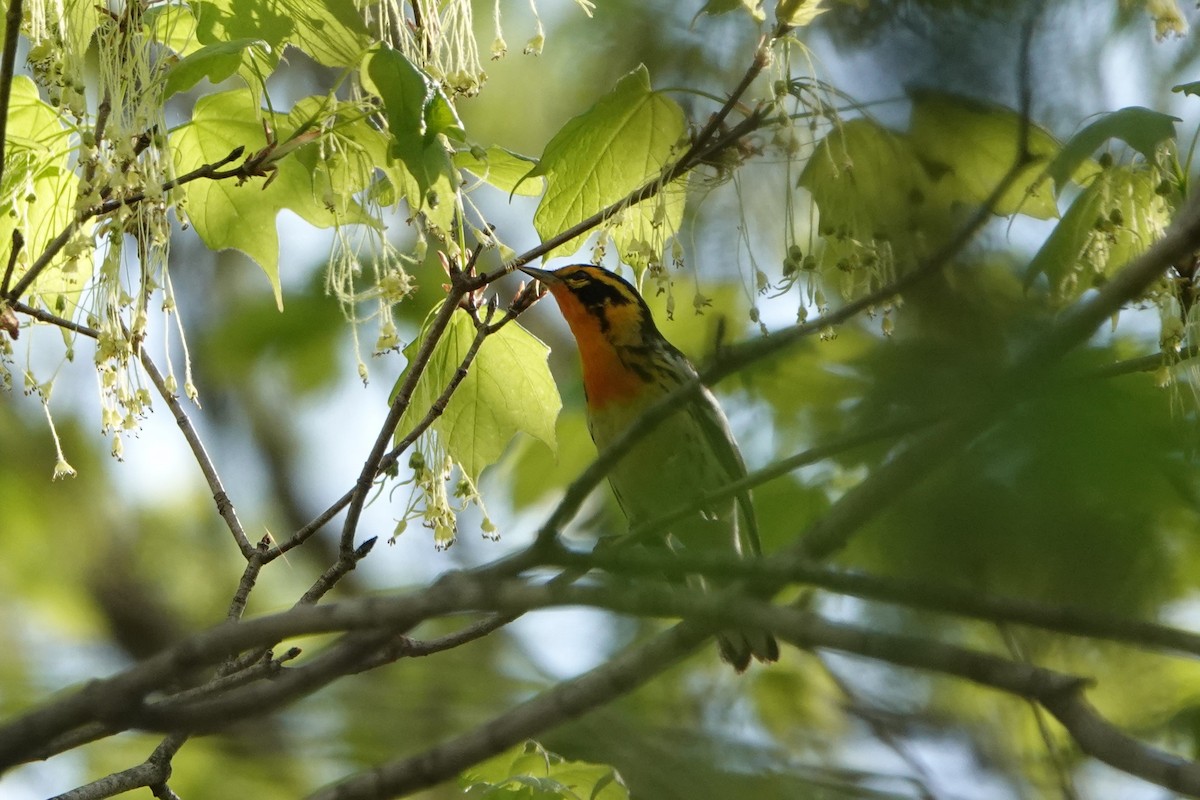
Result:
{"points": [[595, 294]]}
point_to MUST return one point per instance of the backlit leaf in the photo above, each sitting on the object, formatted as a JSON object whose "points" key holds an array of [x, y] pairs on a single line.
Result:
{"points": [[228, 215], [1140, 128], [875, 203], [508, 389], [38, 193], [501, 168], [1112, 221], [602, 155], [530, 772], [215, 62], [753, 7], [330, 31], [969, 147]]}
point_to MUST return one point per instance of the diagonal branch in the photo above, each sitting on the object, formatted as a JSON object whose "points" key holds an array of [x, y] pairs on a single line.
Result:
{"points": [[225, 506], [370, 469]]}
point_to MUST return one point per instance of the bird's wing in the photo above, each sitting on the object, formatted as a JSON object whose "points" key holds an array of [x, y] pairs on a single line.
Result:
{"points": [[711, 420]]}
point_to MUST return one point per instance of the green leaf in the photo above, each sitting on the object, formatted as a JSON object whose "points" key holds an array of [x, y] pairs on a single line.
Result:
{"points": [[969, 146], [1059, 254], [869, 187], [501, 168], [529, 772], [1141, 128], [38, 193], [602, 155], [1192, 88], [1112, 221], [82, 22], [216, 62], [173, 26], [508, 389], [799, 13], [332, 32], [416, 106], [417, 112], [754, 7], [228, 215], [641, 232]]}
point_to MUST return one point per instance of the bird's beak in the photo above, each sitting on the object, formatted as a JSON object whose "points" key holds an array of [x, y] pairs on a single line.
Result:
{"points": [[547, 277]]}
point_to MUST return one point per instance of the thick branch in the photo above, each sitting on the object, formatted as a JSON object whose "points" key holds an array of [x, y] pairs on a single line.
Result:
{"points": [[1058, 692], [943, 599]]}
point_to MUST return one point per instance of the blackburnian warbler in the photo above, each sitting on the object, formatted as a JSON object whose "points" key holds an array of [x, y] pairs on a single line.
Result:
{"points": [[627, 367]]}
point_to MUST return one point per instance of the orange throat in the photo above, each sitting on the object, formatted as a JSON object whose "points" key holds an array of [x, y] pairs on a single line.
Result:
{"points": [[605, 378]]}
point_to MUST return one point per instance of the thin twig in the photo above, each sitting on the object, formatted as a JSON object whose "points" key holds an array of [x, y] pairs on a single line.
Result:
{"points": [[1062, 770], [8, 61], [254, 565], [416, 368], [53, 319], [225, 506], [144, 774], [211, 171], [762, 58], [18, 242], [329, 578], [923, 779], [264, 696]]}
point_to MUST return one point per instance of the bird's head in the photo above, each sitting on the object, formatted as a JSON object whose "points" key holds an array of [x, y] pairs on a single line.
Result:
{"points": [[599, 305], [613, 327]]}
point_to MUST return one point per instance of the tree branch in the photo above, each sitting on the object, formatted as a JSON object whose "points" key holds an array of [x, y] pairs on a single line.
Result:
{"points": [[225, 506], [379, 619], [1060, 693], [60, 241], [778, 570], [416, 368], [8, 61]]}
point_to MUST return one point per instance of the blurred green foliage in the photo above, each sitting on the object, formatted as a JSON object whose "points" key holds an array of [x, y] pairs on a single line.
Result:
{"points": [[1085, 493]]}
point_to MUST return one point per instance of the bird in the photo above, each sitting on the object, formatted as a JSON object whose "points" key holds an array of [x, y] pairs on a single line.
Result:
{"points": [[628, 366]]}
